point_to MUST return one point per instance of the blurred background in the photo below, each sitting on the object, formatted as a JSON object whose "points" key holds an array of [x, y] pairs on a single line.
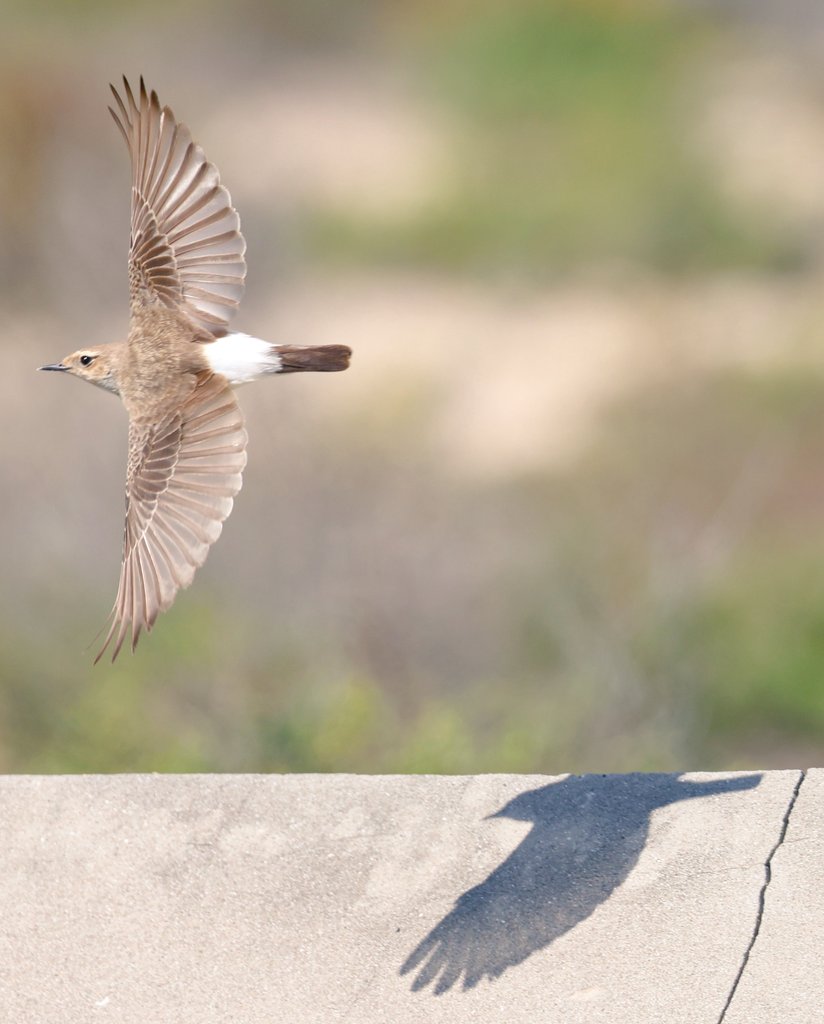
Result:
{"points": [[566, 510]]}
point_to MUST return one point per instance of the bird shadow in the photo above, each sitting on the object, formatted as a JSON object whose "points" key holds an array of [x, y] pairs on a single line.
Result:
{"points": [[587, 834]]}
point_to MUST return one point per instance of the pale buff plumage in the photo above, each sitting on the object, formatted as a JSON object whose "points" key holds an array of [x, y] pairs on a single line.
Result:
{"points": [[187, 441]]}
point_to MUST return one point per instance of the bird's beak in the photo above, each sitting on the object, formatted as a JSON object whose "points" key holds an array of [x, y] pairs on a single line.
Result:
{"points": [[53, 366]]}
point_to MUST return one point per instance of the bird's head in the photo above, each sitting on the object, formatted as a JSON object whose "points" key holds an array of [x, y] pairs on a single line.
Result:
{"points": [[96, 365]]}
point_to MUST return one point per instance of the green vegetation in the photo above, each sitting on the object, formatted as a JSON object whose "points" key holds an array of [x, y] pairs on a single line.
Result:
{"points": [[570, 149], [663, 604]]}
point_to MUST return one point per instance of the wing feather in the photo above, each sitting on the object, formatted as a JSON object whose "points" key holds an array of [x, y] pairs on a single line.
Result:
{"points": [[183, 475], [186, 249]]}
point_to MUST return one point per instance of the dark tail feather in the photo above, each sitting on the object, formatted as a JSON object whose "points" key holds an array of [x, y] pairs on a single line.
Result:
{"points": [[323, 358]]}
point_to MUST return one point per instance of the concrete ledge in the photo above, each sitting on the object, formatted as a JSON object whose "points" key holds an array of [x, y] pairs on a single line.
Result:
{"points": [[205, 899]]}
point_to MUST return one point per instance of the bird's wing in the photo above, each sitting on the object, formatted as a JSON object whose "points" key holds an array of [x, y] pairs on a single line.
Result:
{"points": [[183, 474], [186, 249]]}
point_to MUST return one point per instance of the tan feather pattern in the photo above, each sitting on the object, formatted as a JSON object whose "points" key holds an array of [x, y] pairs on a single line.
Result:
{"points": [[182, 477], [186, 248]]}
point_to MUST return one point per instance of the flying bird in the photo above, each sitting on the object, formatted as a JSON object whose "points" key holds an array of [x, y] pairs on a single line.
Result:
{"points": [[176, 370]]}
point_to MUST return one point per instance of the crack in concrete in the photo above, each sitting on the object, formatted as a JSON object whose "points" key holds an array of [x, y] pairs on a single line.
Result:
{"points": [[762, 897]]}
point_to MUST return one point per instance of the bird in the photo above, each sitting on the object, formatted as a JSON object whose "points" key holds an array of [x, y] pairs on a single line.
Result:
{"points": [[177, 369]]}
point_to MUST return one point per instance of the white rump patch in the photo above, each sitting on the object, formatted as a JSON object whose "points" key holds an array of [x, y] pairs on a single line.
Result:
{"points": [[241, 358]]}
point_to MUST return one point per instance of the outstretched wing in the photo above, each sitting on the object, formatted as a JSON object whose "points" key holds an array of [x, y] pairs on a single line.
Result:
{"points": [[186, 249], [183, 475]]}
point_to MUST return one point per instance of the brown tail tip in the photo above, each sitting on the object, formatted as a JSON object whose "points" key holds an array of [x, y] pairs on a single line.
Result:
{"points": [[322, 358]]}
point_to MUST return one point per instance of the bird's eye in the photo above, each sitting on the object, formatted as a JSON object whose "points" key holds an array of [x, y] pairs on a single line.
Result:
{"points": [[85, 360]]}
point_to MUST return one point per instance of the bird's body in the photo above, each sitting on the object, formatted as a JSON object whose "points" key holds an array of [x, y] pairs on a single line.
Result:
{"points": [[175, 371]]}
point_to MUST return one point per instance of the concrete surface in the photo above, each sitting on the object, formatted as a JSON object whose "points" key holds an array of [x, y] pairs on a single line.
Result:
{"points": [[252, 899]]}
